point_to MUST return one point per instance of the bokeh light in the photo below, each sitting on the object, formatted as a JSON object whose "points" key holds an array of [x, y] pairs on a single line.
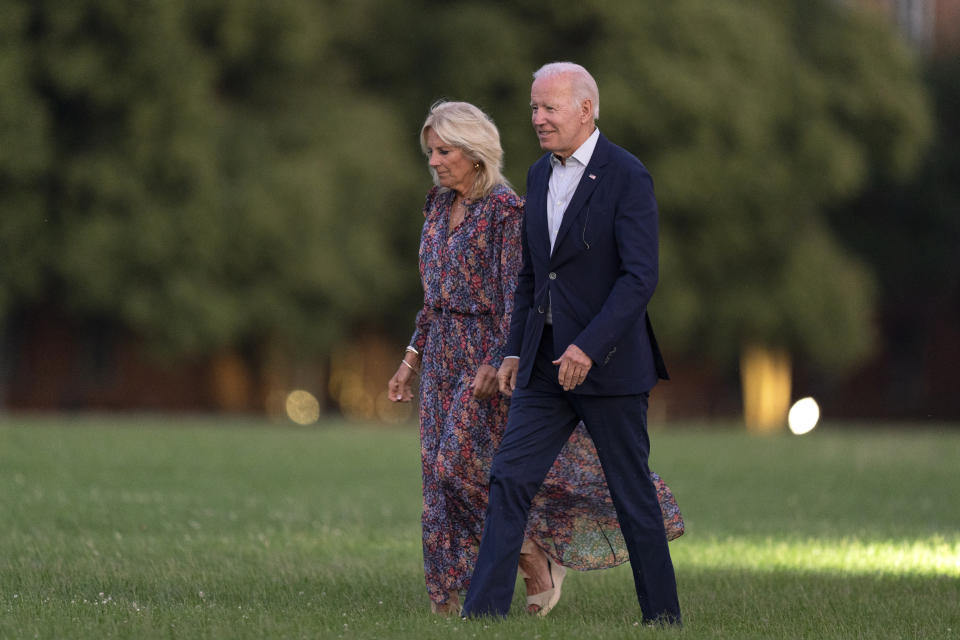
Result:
{"points": [[303, 407], [803, 416]]}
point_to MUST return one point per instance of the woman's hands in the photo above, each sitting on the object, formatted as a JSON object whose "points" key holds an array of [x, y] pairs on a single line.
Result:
{"points": [[400, 389]]}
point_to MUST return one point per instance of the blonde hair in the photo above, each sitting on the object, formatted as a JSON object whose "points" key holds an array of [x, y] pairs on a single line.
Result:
{"points": [[583, 84], [463, 125]]}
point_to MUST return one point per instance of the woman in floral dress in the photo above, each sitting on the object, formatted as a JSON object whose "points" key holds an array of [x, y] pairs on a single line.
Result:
{"points": [[470, 255]]}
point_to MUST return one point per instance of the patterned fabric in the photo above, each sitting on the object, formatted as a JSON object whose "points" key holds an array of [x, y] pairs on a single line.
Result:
{"points": [[469, 276], [573, 518]]}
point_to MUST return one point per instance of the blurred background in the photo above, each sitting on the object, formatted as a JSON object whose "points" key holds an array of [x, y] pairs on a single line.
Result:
{"points": [[215, 205]]}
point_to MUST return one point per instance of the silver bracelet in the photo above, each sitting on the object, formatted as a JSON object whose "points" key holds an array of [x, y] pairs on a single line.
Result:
{"points": [[412, 350], [409, 366]]}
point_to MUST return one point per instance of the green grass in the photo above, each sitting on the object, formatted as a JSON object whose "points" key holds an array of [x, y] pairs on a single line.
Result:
{"points": [[155, 528]]}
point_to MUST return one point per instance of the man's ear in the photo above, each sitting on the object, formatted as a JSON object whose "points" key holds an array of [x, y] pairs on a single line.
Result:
{"points": [[586, 110]]}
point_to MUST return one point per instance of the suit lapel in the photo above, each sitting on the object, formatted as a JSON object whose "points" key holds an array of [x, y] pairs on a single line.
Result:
{"points": [[537, 232], [592, 176]]}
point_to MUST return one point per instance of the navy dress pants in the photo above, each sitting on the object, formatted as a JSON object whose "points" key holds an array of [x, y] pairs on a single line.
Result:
{"points": [[542, 417]]}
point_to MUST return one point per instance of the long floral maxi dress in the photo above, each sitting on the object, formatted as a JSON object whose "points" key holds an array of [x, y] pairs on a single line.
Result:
{"points": [[469, 275]]}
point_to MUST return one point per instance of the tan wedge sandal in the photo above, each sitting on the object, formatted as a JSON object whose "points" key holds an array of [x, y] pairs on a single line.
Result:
{"points": [[541, 603]]}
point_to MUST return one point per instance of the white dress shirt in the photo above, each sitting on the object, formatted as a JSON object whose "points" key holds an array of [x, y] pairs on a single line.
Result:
{"points": [[564, 180], [563, 183]]}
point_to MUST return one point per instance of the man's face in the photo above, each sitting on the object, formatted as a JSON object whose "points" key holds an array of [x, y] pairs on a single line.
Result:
{"points": [[561, 123]]}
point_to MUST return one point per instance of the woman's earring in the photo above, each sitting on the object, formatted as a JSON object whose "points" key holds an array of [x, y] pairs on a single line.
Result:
{"points": [[477, 166]]}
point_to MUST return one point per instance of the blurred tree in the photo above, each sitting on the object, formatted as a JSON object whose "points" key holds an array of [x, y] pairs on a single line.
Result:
{"points": [[909, 231], [419, 51], [755, 118], [233, 174], [25, 155], [204, 172]]}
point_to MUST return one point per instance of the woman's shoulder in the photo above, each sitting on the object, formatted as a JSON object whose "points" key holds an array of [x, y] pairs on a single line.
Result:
{"points": [[432, 198], [504, 201]]}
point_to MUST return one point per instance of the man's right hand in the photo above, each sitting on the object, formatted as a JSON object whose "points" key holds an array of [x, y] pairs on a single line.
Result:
{"points": [[507, 375]]}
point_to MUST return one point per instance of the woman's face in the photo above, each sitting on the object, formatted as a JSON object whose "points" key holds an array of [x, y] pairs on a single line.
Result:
{"points": [[454, 169]]}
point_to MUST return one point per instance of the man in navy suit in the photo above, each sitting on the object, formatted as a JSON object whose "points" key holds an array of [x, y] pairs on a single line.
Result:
{"points": [[582, 346]]}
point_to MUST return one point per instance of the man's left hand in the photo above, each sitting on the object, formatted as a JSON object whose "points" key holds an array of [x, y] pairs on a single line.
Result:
{"points": [[485, 382], [574, 365]]}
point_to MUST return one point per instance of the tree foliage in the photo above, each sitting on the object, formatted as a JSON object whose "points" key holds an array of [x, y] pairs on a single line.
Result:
{"points": [[755, 118], [196, 172], [908, 231], [215, 173]]}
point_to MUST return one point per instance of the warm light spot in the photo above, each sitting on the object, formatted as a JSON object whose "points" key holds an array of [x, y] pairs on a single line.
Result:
{"points": [[803, 416], [302, 407]]}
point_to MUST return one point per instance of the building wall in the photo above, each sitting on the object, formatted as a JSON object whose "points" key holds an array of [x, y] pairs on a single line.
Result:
{"points": [[932, 26], [947, 28]]}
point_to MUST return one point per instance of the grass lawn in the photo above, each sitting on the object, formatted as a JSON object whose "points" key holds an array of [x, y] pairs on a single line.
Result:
{"points": [[136, 527]]}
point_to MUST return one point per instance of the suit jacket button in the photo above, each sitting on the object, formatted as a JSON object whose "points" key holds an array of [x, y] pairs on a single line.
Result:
{"points": [[540, 308], [553, 276]]}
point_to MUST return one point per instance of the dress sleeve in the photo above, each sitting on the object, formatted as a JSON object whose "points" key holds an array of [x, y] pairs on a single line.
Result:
{"points": [[425, 315], [419, 338], [508, 253]]}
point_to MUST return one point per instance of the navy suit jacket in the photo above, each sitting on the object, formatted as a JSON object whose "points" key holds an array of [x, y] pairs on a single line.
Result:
{"points": [[599, 277]]}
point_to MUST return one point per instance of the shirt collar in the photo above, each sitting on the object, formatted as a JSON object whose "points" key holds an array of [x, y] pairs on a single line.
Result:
{"points": [[584, 152]]}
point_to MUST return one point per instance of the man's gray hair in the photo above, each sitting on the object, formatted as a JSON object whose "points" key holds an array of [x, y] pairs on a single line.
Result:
{"points": [[584, 86]]}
